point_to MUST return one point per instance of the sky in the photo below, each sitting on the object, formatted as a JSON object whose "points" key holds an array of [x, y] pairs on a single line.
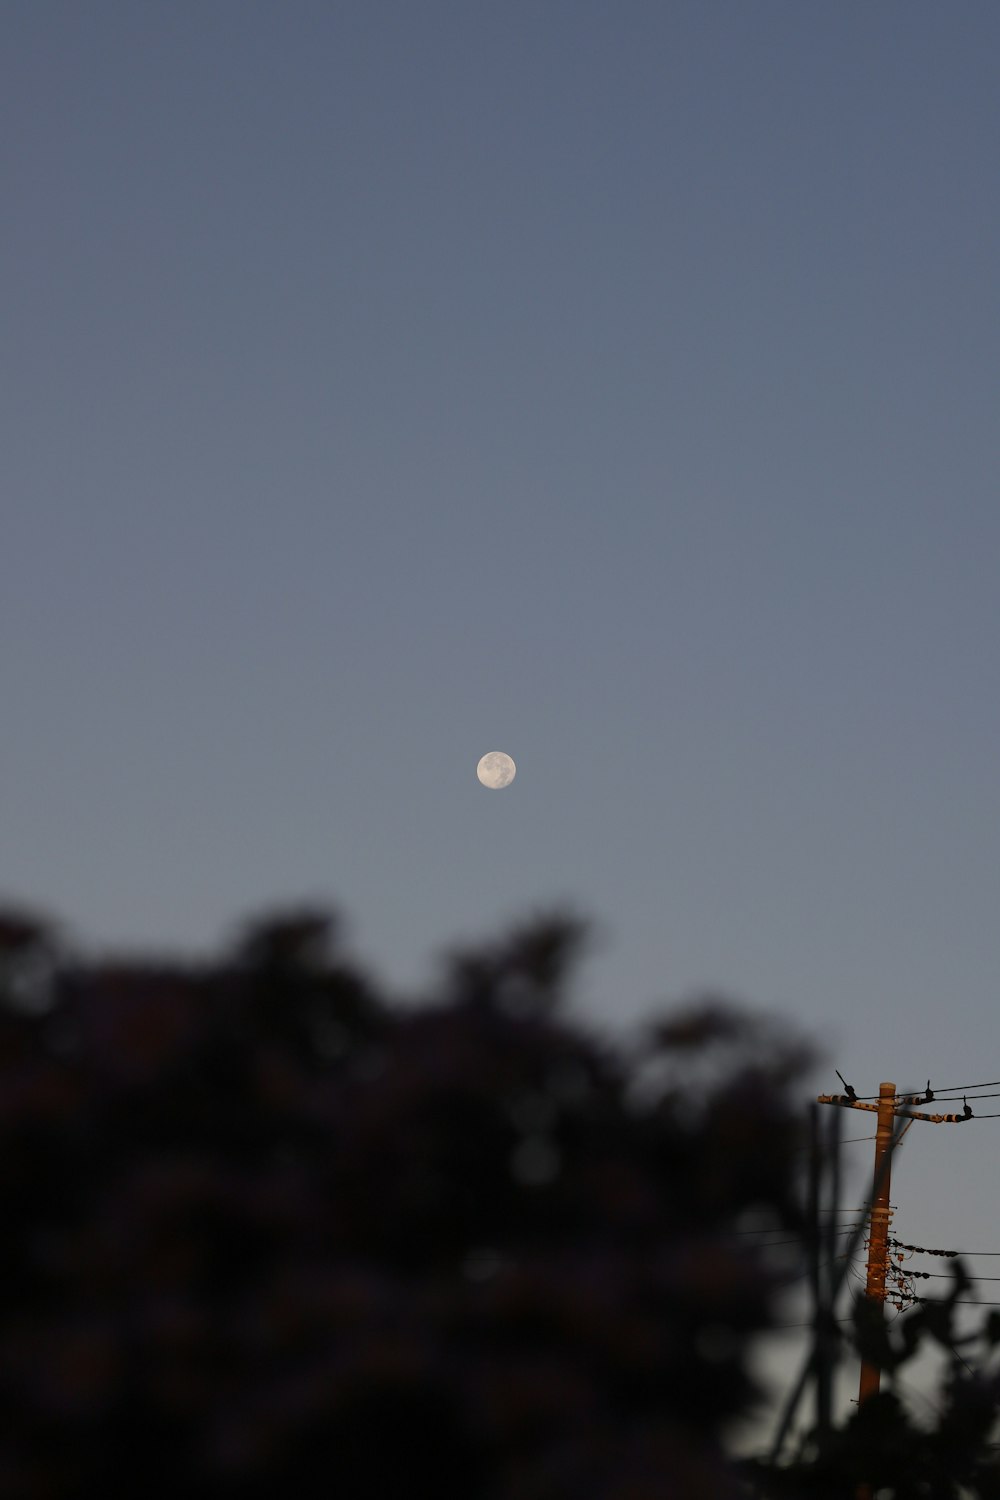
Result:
{"points": [[611, 385]]}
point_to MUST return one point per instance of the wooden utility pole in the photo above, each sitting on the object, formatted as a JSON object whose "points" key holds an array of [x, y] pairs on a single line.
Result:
{"points": [[887, 1137], [878, 1236]]}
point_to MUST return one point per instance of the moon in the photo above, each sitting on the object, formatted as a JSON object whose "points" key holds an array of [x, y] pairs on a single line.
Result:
{"points": [[496, 770]]}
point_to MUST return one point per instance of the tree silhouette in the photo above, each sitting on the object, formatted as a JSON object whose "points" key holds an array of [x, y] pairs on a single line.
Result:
{"points": [[953, 1457], [269, 1233]]}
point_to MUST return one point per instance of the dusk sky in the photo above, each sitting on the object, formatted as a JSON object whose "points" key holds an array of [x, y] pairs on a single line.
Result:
{"points": [[612, 385]]}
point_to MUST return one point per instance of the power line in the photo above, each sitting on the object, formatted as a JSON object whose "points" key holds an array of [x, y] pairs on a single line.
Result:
{"points": [[853, 1213], [773, 1326], [863, 1210], [945, 1276], [940, 1094], [919, 1249], [802, 1239], [923, 1250], [964, 1301], [952, 1088], [771, 1244], [966, 1088], [914, 1391]]}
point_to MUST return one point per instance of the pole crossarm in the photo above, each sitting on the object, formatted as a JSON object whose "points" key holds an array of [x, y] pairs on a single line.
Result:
{"points": [[918, 1114], [845, 1102]]}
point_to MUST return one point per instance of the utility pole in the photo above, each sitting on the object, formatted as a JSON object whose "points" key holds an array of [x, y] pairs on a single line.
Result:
{"points": [[878, 1235], [887, 1137], [887, 1108]]}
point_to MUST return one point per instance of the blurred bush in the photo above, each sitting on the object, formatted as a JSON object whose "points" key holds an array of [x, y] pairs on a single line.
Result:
{"points": [[268, 1234]]}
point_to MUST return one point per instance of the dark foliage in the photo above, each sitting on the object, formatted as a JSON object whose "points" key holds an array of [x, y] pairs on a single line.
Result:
{"points": [[953, 1457], [267, 1234]]}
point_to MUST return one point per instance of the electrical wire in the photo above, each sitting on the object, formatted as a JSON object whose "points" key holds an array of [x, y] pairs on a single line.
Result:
{"points": [[895, 1244], [802, 1239], [966, 1088], [952, 1088], [770, 1244], [863, 1210], [913, 1391], [946, 1276], [947, 1097], [773, 1326], [923, 1250], [963, 1301], [962, 1361], [779, 1244]]}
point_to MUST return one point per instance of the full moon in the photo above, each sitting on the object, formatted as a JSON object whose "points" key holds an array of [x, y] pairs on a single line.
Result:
{"points": [[496, 770]]}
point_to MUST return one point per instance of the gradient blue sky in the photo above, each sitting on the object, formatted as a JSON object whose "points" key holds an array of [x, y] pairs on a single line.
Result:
{"points": [[610, 384]]}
